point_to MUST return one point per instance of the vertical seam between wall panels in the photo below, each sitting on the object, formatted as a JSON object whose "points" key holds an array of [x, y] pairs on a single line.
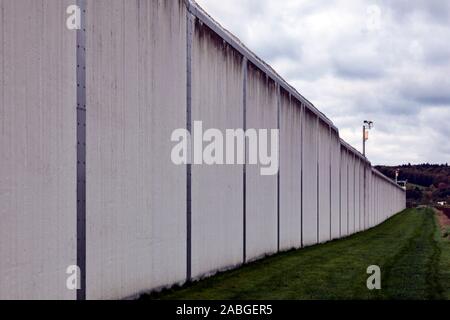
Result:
{"points": [[189, 34], [244, 170], [279, 165], [81, 149], [348, 193], [318, 177]]}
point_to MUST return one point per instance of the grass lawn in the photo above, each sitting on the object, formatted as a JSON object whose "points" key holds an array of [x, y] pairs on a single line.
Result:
{"points": [[413, 256]]}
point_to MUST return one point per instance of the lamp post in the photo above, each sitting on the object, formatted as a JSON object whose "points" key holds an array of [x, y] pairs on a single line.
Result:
{"points": [[366, 127]]}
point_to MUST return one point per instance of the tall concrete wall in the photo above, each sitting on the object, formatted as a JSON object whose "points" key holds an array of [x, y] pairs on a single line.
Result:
{"points": [[324, 181], [153, 67]]}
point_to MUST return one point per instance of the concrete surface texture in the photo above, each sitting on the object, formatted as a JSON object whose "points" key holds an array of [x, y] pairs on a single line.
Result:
{"points": [[324, 180], [153, 67], [136, 97], [290, 172], [310, 179], [38, 150], [261, 191], [335, 185]]}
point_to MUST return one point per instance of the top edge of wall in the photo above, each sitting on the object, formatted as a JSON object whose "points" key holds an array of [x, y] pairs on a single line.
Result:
{"points": [[353, 150], [364, 159]]}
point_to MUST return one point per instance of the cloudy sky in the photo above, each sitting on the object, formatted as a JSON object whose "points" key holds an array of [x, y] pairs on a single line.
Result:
{"points": [[387, 61]]}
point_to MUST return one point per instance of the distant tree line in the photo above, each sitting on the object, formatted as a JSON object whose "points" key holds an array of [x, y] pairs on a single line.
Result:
{"points": [[427, 183], [423, 174]]}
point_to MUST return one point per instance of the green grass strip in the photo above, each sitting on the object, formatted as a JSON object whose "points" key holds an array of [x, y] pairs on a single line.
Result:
{"points": [[413, 257]]}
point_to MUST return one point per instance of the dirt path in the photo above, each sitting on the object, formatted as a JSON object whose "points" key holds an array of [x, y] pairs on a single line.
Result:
{"points": [[443, 217]]}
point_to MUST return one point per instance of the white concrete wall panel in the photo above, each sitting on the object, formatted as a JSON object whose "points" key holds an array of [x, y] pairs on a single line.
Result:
{"points": [[335, 185], [362, 185], [371, 202], [324, 182], [310, 183], [375, 197], [385, 201], [290, 172], [372, 194], [136, 97], [351, 193], [357, 194], [378, 202], [217, 190], [369, 199], [374, 200], [344, 191], [261, 194], [38, 150]]}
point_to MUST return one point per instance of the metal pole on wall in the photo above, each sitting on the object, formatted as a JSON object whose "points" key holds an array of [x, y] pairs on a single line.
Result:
{"points": [[366, 127]]}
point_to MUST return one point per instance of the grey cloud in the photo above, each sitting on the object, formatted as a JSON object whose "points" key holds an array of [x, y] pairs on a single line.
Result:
{"points": [[437, 53]]}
